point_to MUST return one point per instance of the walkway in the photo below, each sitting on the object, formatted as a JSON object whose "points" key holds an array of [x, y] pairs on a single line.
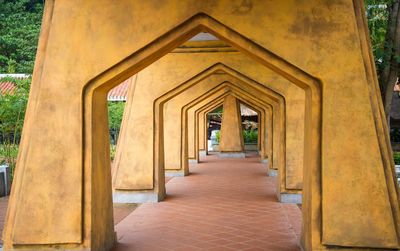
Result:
{"points": [[225, 204]]}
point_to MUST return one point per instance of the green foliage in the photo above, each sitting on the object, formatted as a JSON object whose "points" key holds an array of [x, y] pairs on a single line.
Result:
{"points": [[115, 113], [250, 136], [19, 31], [8, 155], [12, 114], [396, 156], [377, 14], [219, 109], [113, 149], [218, 136], [12, 108]]}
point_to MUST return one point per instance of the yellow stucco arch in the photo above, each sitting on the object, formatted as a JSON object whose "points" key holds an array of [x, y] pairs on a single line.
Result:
{"points": [[81, 219]]}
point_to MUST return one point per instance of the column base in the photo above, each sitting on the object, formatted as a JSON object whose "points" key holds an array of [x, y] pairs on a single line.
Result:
{"points": [[236, 155], [290, 198], [264, 161], [272, 172], [193, 161], [202, 153], [136, 197], [179, 173]]}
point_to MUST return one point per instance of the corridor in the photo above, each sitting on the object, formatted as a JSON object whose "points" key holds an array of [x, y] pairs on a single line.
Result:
{"points": [[224, 204]]}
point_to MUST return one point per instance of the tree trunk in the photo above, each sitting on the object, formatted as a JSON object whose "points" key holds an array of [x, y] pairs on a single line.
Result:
{"points": [[390, 70]]}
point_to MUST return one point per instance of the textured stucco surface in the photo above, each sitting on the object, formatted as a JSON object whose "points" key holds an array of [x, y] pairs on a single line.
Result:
{"points": [[133, 160], [231, 126], [249, 95], [87, 47]]}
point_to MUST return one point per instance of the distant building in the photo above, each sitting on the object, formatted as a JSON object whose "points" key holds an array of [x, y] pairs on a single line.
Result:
{"points": [[118, 93], [7, 86]]}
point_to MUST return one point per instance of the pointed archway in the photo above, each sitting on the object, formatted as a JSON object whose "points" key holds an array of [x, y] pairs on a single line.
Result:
{"points": [[84, 141]]}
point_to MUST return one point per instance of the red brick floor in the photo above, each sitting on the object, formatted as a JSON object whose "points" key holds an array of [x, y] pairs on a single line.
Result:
{"points": [[120, 212], [225, 204]]}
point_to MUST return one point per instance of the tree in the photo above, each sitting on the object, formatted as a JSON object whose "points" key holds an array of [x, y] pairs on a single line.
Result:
{"points": [[384, 26], [19, 31], [390, 68], [377, 16]]}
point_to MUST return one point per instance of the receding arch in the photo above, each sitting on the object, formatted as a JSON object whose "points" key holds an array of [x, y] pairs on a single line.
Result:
{"points": [[217, 103], [326, 230], [96, 90], [217, 68], [228, 89], [202, 112]]}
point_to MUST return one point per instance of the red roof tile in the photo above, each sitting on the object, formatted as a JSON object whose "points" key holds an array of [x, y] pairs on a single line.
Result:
{"points": [[120, 92], [7, 87]]}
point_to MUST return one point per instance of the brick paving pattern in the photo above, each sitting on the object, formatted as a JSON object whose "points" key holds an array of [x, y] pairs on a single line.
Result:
{"points": [[225, 204], [120, 212]]}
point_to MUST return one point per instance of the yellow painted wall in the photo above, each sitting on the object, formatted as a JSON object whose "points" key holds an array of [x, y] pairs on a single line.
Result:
{"points": [[87, 47]]}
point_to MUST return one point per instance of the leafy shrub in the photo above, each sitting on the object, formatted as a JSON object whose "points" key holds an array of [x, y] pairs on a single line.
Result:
{"points": [[12, 110], [396, 156], [250, 136], [218, 136], [113, 149], [12, 114], [115, 113], [8, 156]]}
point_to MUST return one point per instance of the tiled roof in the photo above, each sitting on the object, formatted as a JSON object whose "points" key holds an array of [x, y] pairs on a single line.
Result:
{"points": [[7, 87], [120, 92]]}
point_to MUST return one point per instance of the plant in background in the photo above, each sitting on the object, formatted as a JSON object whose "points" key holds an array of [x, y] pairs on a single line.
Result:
{"points": [[12, 114], [113, 149], [383, 23], [115, 114], [377, 14], [19, 31], [250, 136], [396, 156], [218, 136]]}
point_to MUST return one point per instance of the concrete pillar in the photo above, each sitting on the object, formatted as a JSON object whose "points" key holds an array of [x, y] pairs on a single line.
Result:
{"points": [[231, 142]]}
